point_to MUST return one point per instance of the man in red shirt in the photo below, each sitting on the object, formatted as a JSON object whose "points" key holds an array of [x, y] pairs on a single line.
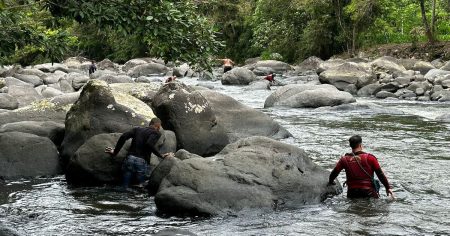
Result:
{"points": [[359, 169]]}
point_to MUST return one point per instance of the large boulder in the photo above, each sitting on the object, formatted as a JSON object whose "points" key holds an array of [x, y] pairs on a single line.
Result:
{"points": [[256, 123], [311, 63], [326, 65], [30, 79], [27, 155], [100, 110], [43, 110], [8, 81], [53, 78], [258, 85], [441, 96], [49, 92], [49, 129], [276, 66], [387, 65], [239, 76], [255, 172], [90, 165], [148, 69], [107, 64], [436, 74], [133, 63], [51, 67], [369, 90], [190, 116], [306, 95], [25, 94], [345, 74], [142, 91], [8, 102], [113, 79], [446, 66], [181, 70], [66, 99], [423, 67]]}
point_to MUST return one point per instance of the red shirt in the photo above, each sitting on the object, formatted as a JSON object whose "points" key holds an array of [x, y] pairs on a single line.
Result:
{"points": [[356, 177]]}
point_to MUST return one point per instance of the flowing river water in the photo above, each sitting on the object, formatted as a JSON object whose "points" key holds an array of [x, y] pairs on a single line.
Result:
{"points": [[412, 148]]}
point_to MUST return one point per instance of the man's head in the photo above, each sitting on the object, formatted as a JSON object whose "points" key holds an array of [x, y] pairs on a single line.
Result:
{"points": [[355, 141], [155, 123]]}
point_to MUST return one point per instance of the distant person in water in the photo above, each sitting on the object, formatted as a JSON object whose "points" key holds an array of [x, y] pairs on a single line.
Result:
{"points": [[271, 78], [227, 64], [92, 68], [136, 163], [171, 79], [359, 169]]}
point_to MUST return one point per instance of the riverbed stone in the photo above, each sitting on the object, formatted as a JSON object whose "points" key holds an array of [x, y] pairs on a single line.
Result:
{"points": [[148, 69], [51, 67], [255, 172], [385, 94], [32, 71], [438, 63], [238, 76], [107, 64], [66, 99], [436, 74], [50, 129], [101, 110], [187, 112], [227, 109], [369, 90], [133, 63], [328, 64], [305, 95], [142, 91], [27, 155], [42, 110], [387, 65], [408, 63], [29, 79], [50, 92], [25, 94], [423, 67], [444, 118], [446, 66], [403, 81], [8, 102], [348, 73], [311, 63], [259, 85], [276, 66], [53, 78], [441, 95]]}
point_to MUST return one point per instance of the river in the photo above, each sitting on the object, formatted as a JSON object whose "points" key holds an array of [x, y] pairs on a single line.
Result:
{"points": [[413, 149]]}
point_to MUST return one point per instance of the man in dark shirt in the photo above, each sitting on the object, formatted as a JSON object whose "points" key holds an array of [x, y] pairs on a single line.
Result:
{"points": [[138, 157], [359, 169], [92, 68]]}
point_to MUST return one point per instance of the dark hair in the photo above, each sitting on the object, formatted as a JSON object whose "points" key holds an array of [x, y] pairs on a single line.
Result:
{"points": [[355, 141], [155, 121]]}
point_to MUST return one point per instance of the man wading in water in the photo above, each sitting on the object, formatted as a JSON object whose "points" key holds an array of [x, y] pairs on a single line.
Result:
{"points": [[138, 157], [227, 64], [359, 168]]}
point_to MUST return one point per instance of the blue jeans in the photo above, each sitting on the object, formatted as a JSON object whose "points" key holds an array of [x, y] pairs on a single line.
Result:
{"points": [[134, 166]]}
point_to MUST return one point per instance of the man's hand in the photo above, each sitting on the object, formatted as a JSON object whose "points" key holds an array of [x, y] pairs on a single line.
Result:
{"points": [[109, 150], [169, 154], [389, 192]]}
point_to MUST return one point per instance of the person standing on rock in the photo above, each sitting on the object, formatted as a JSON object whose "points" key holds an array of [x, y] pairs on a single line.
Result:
{"points": [[359, 169], [227, 64], [92, 68], [136, 164]]}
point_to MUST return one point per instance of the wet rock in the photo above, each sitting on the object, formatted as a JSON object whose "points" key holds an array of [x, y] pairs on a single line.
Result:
{"points": [[255, 172], [352, 89], [444, 118], [49, 129], [403, 81], [205, 75], [173, 232], [258, 85], [25, 94], [385, 94], [389, 87], [187, 112], [8, 102], [365, 107], [424, 98], [256, 123], [263, 71], [441, 96], [425, 86], [160, 172], [369, 90], [238, 76], [147, 69], [348, 73], [446, 83], [205, 85], [18, 156], [112, 79], [100, 110], [313, 96]]}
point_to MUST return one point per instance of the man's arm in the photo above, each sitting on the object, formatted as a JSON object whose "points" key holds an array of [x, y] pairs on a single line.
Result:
{"points": [[335, 172], [381, 176], [123, 138]]}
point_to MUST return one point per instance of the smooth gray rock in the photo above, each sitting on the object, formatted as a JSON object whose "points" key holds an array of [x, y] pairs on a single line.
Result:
{"points": [[25, 94], [30, 79], [181, 70], [34, 72], [259, 85], [298, 95], [438, 63], [365, 107], [113, 79], [8, 81], [65, 99], [348, 73], [238, 76], [385, 94], [53, 78], [311, 63], [50, 92], [436, 74], [403, 81], [206, 75], [65, 85], [187, 112], [107, 64], [256, 123], [446, 66], [255, 172], [51, 67], [425, 86], [326, 65], [423, 67], [441, 96], [142, 91], [49, 129], [276, 66], [369, 90], [8, 102], [389, 87], [147, 69], [407, 63], [42, 110], [133, 63], [444, 118], [387, 65], [18, 156]]}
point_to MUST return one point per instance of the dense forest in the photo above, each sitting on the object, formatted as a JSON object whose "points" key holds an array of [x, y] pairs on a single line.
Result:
{"points": [[195, 31]]}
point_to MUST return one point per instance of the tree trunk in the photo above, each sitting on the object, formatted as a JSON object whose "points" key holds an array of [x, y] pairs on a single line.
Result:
{"points": [[354, 33], [433, 18], [428, 32]]}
